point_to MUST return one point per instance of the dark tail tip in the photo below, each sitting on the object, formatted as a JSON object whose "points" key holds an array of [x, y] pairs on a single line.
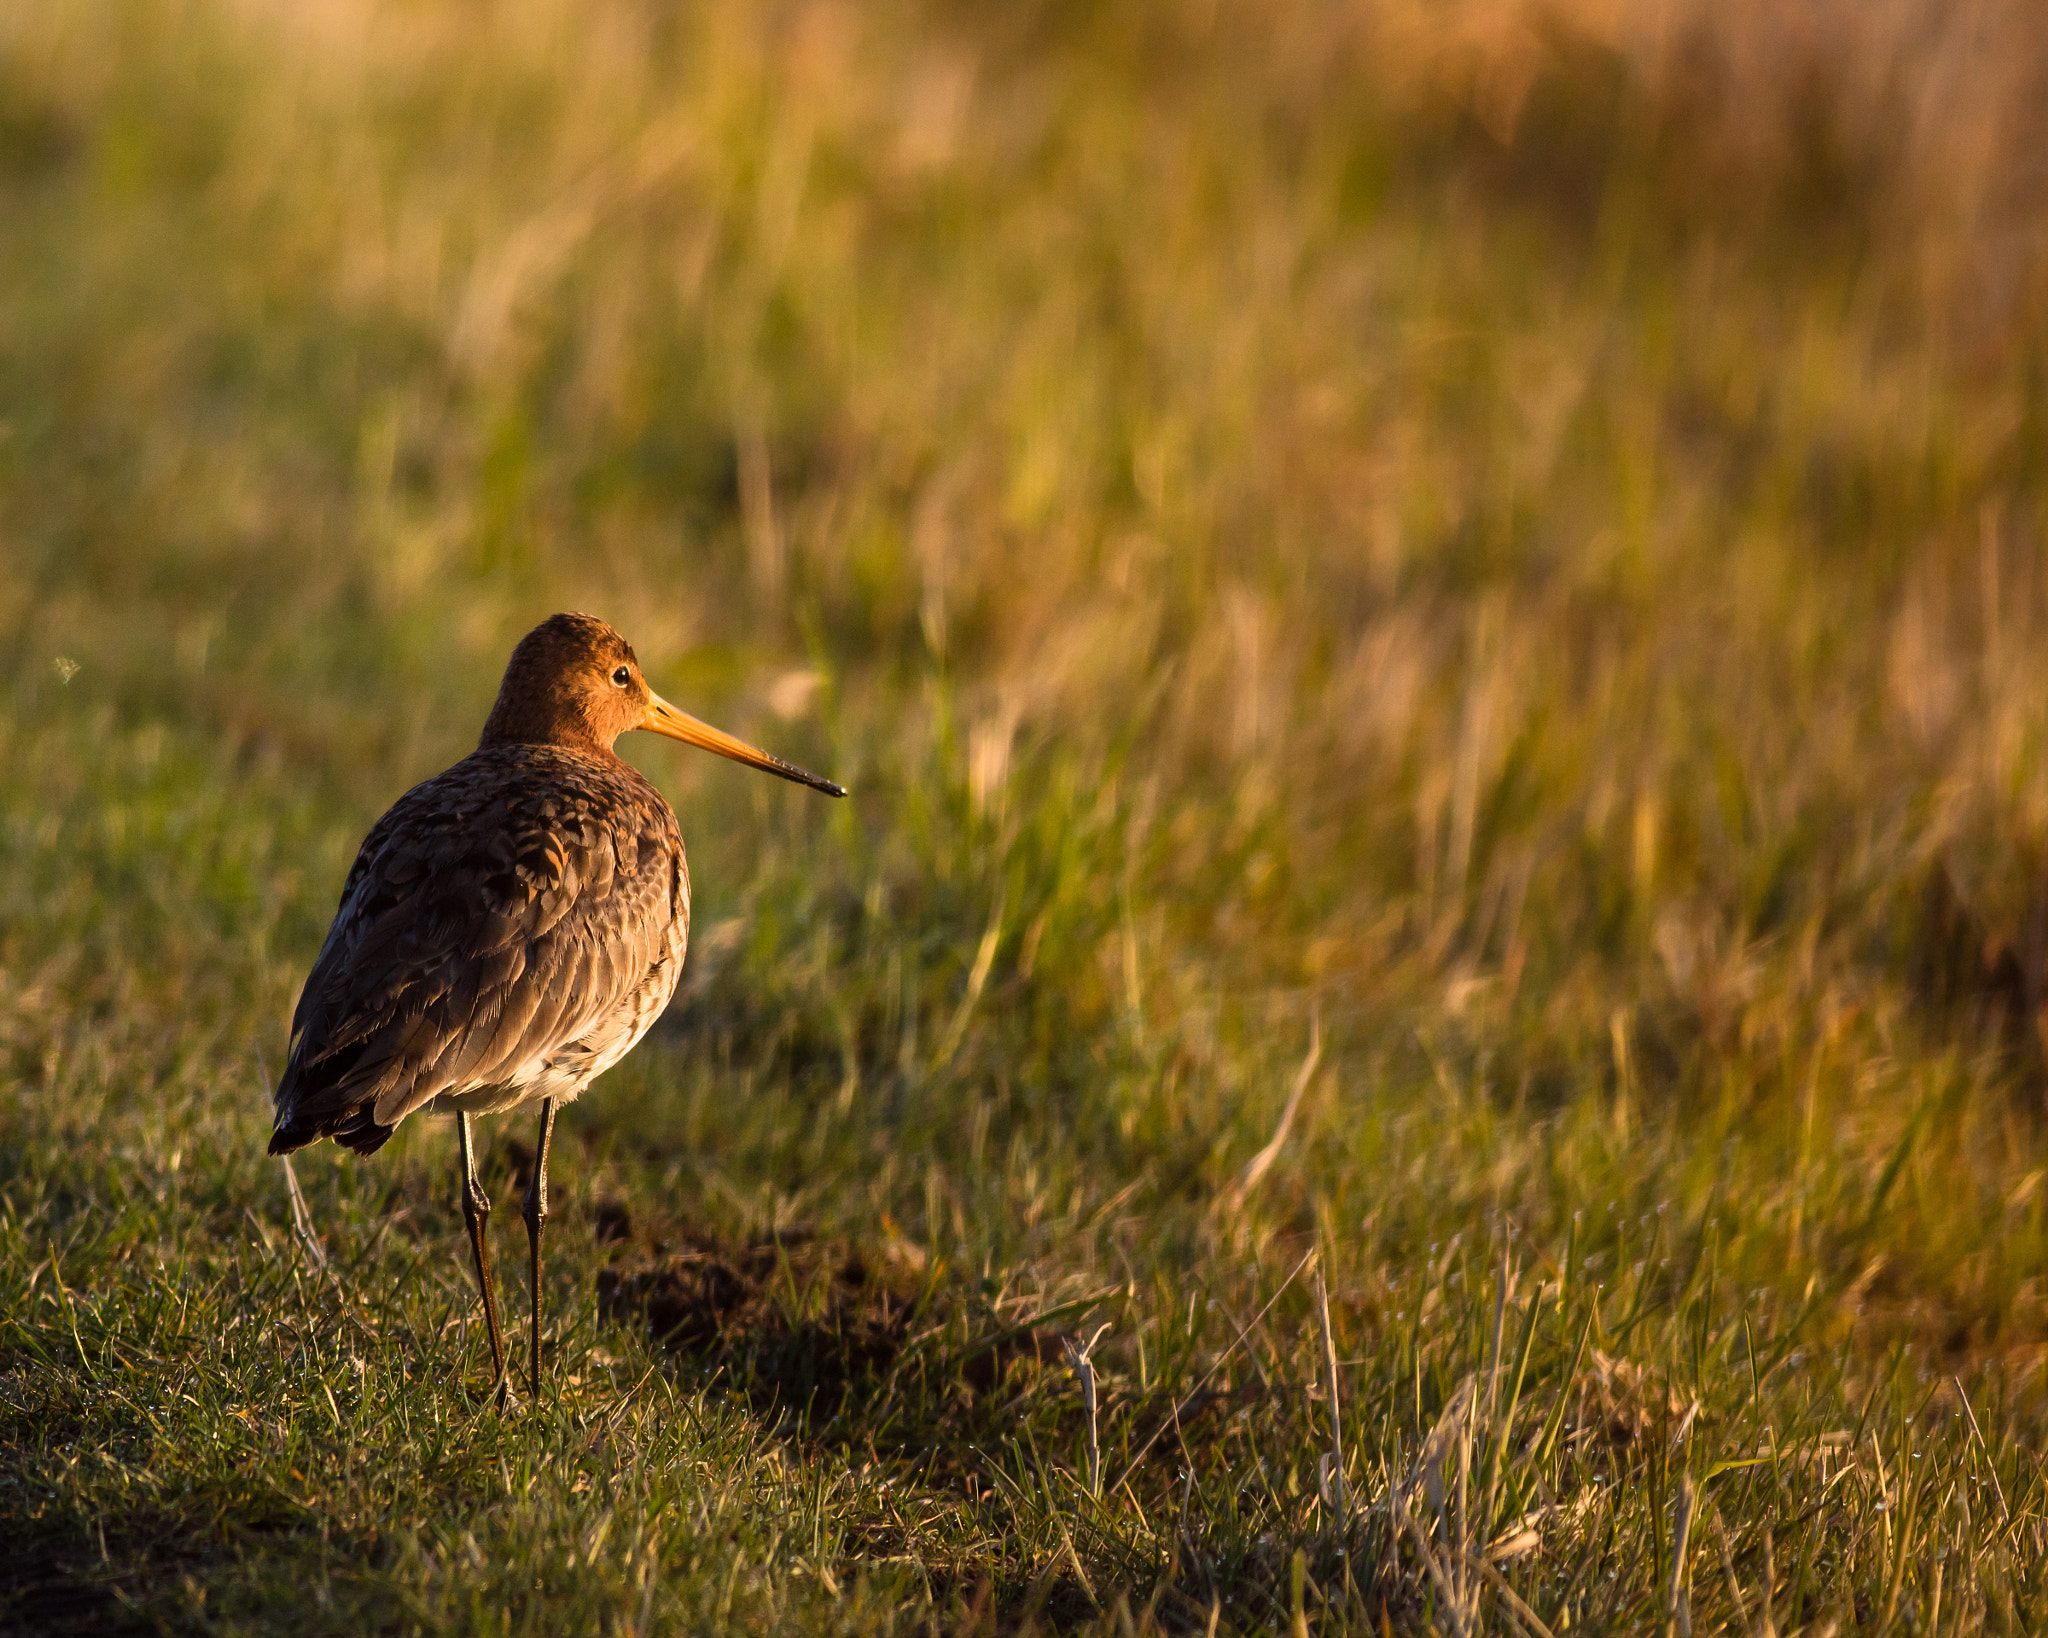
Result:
{"points": [[364, 1136], [354, 1128]]}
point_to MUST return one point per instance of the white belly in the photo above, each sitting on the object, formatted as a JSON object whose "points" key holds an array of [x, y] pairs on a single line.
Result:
{"points": [[564, 1073]]}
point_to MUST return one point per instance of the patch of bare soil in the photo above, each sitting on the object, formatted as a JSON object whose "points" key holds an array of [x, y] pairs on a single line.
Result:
{"points": [[847, 1343]]}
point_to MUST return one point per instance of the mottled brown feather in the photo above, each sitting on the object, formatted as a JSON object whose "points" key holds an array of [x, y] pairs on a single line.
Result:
{"points": [[507, 931]]}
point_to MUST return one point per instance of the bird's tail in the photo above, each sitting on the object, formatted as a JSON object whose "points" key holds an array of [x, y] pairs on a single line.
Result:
{"points": [[355, 1129]]}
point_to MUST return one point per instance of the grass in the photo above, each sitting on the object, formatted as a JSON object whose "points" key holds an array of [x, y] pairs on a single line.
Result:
{"points": [[1436, 626]]}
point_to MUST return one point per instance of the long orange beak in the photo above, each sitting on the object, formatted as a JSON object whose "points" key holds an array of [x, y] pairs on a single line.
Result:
{"points": [[664, 718]]}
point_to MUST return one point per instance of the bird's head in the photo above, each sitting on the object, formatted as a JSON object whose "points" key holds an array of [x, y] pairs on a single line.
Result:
{"points": [[576, 683]]}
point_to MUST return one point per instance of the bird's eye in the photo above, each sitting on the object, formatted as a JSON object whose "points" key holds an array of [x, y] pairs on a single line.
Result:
{"points": [[622, 676]]}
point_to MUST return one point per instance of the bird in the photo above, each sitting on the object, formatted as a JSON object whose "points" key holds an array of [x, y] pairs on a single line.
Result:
{"points": [[509, 929]]}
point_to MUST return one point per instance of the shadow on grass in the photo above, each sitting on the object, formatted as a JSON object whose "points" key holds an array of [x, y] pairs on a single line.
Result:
{"points": [[889, 1365], [60, 1586], [68, 1571], [830, 1343]]}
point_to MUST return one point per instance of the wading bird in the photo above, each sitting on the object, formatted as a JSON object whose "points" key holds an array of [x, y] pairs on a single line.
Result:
{"points": [[509, 929]]}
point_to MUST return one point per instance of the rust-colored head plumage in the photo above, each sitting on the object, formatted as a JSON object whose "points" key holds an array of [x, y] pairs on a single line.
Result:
{"points": [[573, 682]]}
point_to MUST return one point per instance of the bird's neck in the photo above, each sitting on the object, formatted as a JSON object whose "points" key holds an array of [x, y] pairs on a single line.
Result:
{"points": [[530, 721]]}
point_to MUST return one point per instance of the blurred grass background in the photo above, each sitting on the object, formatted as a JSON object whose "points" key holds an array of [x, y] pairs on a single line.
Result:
{"points": [[1510, 535]]}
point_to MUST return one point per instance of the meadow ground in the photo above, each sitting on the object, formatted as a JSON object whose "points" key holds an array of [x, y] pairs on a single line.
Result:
{"points": [[1437, 620]]}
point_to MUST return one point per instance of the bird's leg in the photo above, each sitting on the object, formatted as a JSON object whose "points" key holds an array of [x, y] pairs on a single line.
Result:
{"points": [[476, 1212], [536, 1215]]}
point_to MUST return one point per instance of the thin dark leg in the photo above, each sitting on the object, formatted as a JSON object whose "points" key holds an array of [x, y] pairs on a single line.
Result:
{"points": [[536, 1216], [476, 1212]]}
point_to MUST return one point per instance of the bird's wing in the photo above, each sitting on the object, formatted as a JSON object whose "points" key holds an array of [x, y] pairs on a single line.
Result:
{"points": [[488, 921]]}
